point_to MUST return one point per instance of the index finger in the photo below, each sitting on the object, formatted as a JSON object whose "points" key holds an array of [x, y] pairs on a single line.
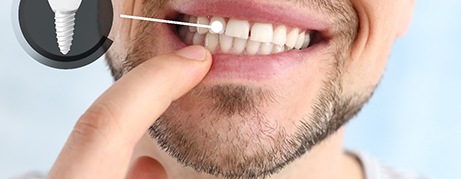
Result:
{"points": [[101, 144]]}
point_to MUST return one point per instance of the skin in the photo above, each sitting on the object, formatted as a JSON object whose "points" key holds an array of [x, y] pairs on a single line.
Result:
{"points": [[99, 147]]}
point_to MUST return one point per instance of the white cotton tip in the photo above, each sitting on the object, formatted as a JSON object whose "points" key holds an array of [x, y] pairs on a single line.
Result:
{"points": [[217, 27], [64, 21]]}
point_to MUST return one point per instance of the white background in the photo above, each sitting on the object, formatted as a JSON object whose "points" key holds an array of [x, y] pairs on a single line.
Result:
{"points": [[413, 122]]}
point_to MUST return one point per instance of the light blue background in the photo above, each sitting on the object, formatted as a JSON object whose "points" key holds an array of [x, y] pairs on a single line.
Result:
{"points": [[413, 122]]}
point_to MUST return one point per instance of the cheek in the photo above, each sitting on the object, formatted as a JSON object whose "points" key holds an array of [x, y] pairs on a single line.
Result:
{"points": [[378, 30], [116, 19], [122, 29], [118, 34]]}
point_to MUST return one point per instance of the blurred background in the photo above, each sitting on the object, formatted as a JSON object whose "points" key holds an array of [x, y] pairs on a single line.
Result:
{"points": [[412, 123]]}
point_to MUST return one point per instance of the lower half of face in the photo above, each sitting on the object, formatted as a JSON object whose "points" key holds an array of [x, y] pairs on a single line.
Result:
{"points": [[275, 88]]}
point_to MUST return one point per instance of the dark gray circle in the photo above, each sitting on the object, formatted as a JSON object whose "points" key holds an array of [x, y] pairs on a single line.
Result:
{"points": [[35, 30]]}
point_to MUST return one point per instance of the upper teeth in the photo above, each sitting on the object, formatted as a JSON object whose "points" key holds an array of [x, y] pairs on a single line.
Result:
{"points": [[262, 32], [239, 36], [238, 28]]}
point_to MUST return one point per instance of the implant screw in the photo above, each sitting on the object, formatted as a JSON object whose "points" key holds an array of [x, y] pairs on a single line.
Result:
{"points": [[64, 21]]}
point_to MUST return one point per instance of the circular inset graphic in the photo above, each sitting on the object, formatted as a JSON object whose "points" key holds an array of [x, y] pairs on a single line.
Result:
{"points": [[63, 34]]}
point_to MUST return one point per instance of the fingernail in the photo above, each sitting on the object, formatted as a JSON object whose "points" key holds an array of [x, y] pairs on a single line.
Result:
{"points": [[194, 52]]}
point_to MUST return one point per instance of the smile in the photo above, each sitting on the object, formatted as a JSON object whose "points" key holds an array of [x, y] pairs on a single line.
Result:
{"points": [[258, 42], [241, 37]]}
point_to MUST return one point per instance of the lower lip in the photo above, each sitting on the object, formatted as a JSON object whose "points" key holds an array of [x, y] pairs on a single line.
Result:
{"points": [[253, 68], [258, 68]]}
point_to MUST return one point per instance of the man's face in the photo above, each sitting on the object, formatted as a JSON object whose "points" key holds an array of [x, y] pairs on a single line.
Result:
{"points": [[269, 97]]}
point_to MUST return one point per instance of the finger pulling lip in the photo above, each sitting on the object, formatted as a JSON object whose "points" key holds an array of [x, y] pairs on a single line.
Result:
{"points": [[247, 67], [258, 67]]}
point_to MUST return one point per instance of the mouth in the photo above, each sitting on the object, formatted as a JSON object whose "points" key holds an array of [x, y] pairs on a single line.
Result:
{"points": [[258, 41], [242, 37]]}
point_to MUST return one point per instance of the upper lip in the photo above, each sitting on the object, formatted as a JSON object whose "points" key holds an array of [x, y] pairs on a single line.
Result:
{"points": [[264, 12]]}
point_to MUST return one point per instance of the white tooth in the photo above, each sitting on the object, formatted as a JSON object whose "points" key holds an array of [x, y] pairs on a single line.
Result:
{"points": [[211, 41], [280, 35], [202, 20], [291, 38], [239, 45], [261, 32], [300, 40], [193, 20], [278, 49], [252, 47], [225, 43], [198, 39], [307, 40], [219, 19], [189, 37], [266, 48], [238, 28]]}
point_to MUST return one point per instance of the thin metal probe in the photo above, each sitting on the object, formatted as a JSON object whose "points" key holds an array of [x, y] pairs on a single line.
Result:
{"points": [[216, 26]]}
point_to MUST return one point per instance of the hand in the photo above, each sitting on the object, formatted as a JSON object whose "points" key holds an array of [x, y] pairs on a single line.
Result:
{"points": [[102, 141]]}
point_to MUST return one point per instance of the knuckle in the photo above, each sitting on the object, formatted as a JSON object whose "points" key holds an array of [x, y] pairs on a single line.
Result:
{"points": [[95, 122]]}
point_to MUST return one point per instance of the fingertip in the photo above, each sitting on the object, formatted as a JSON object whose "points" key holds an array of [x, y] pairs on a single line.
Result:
{"points": [[194, 52], [190, 73], [147, 168]]}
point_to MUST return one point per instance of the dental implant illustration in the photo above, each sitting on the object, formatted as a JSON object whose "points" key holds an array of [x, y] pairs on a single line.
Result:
{"points": [[64, 15]]}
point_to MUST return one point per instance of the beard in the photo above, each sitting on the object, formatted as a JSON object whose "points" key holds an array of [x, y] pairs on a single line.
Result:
{"points": [[231, 137], [225, 130]]}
